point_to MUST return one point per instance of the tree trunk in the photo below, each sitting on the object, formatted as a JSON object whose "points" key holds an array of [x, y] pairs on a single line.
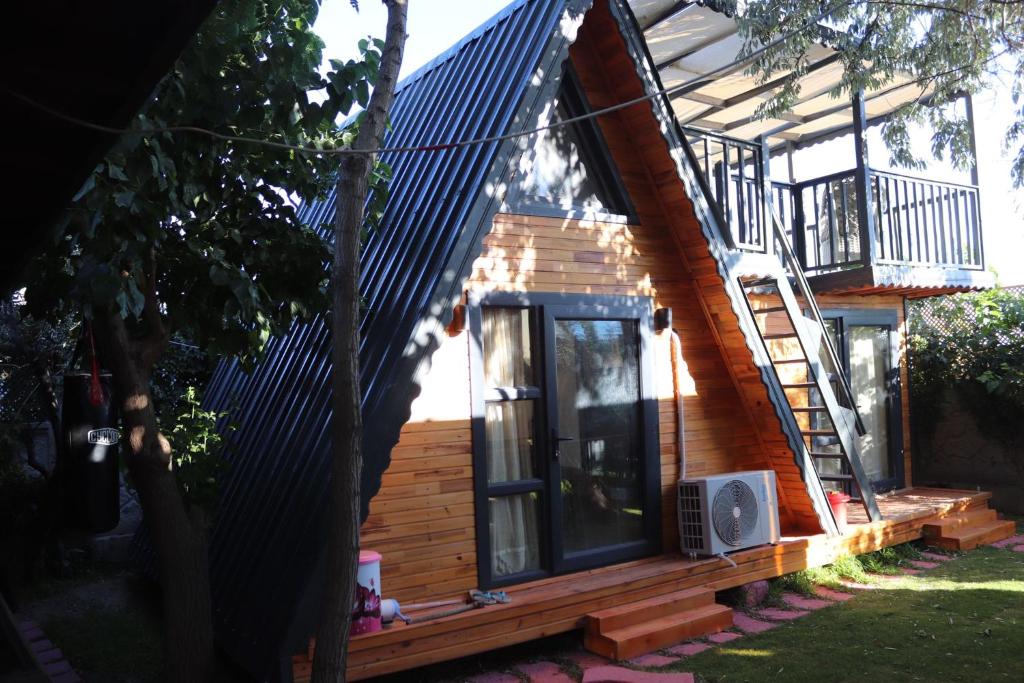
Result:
{"points": [[180, 546], [347, 461]]}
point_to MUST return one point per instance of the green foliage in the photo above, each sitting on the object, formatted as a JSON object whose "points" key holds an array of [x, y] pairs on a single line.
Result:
{"points": [[972, 344], [205, 231], [198, 450], [182, 366], [947, 46]]}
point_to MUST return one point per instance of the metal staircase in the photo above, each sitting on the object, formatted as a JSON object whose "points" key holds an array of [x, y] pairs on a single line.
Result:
{"points": [[815, 388]]}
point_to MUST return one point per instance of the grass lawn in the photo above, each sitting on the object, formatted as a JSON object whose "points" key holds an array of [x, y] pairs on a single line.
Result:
{"points": [[963, 621]]}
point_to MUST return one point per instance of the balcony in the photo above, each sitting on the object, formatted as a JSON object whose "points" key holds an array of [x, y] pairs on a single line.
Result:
{"points": [[902, 234]]}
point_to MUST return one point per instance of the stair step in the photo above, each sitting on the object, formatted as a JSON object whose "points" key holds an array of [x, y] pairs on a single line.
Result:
{"points": [[966, 518], [790, 361], [770, 309], [644, 611], [970, 537], [799, 385], [638, 639], [780, 335], [819, 432], [810, 409], [820, 455], [835, 477], [759, 282]]}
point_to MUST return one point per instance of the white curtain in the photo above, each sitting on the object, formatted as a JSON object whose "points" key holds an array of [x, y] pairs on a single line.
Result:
{"points": [[513, 519]]}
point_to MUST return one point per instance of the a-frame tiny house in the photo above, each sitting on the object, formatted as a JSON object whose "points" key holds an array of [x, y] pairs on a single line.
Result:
{"points": [[556, 249]]}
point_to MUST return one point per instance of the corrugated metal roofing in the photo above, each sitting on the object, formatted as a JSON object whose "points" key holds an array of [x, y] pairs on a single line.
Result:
{"points": [[267, 540]]}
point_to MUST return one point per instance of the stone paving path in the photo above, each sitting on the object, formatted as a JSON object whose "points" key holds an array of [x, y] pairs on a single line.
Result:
{"points": [[586, 667]]}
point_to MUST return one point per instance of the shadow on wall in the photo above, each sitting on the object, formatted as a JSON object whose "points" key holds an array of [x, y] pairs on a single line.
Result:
{"points": [[955, 451]]}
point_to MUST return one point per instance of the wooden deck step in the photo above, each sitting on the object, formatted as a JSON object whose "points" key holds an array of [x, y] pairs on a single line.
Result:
{"points": [[970, 537], [648, 636], [770, 309], [972, 517], [780, 335], [809, 409], [818, 432], [643, 611], [789, 361]]}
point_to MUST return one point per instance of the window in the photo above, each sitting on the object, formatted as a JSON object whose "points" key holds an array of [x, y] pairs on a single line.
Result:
{"points": [[570, 169]]}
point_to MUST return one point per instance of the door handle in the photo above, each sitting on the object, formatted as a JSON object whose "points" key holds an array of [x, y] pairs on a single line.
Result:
{"points": [[557, 440]]}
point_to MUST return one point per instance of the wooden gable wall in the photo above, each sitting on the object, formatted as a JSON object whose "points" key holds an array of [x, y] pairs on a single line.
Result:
{"points": [[422, 519]]}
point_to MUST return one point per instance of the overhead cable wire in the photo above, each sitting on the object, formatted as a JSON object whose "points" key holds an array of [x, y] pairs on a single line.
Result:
{"points": [[147, 132]]}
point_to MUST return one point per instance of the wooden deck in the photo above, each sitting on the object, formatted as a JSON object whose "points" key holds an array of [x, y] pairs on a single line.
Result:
{"points": [[559, 604]]}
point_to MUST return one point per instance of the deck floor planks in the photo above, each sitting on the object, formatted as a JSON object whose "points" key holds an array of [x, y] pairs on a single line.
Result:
{"points": [[559, 604]]}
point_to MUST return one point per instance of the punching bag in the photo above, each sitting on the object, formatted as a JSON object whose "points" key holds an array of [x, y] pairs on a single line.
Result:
{"points": [[92, 500]]}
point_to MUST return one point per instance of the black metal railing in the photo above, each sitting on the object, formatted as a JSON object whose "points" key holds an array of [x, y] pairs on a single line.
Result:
{"points": [[912, 222], [924, 222], [735, 173]]}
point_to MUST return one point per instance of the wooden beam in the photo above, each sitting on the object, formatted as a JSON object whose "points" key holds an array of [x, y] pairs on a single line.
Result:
{"points": [[720, 104], [691, 51], [674, 9]]}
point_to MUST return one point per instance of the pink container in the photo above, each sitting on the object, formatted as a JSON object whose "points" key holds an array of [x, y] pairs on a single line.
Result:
{"points": [[366, 606]]}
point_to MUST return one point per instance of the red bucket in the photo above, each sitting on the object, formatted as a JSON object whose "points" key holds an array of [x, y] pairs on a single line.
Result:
{"points": [[838, 500]]}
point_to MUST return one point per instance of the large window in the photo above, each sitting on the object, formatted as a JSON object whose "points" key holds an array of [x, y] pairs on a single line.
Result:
{"points": [[565, 434]]}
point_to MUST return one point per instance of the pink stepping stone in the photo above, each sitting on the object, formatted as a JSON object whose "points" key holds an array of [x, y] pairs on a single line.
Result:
{"points": [[690, 649], [853, 585], [748, 625], [1012, 540], [829, 594], [800, 602], [653, 660], [923, 564], [909, 572], [723, 637], [544, 672], [936, 557], [494, 677], [1019, 549], [776, 614], [618, 674]]}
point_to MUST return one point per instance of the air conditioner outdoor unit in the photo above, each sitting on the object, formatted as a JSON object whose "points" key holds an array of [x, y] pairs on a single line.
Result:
{"points": [[727, 512]]}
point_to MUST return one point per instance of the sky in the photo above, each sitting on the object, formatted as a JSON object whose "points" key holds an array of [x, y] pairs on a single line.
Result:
{"points": [[435, 25]]}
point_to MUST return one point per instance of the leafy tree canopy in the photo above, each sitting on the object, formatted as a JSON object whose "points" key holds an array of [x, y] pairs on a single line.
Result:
{"points": [[180, 232], [950, 46]]}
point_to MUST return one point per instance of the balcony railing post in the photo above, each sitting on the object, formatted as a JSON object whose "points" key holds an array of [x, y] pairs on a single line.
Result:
{"points": [[865, 210], [765, 171], [969, 106], [799, 225]]}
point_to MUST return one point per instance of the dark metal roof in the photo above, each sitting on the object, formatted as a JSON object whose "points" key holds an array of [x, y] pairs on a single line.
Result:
{"points": [[266, 545]]}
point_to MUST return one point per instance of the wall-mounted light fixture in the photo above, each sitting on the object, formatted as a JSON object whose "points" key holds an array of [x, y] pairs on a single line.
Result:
{"points": [[662, 319], [458, 323]]}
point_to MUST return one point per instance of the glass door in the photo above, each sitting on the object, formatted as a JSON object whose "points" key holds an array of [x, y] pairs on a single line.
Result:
{"points": [[601, 502], [866, 340], [565, 434]]}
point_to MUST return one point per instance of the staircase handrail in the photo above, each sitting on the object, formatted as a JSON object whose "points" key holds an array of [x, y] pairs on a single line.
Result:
{"points": [[793, 265]]}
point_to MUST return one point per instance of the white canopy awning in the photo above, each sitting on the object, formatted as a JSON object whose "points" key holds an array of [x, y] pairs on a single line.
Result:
{"points": [[691, 39]]}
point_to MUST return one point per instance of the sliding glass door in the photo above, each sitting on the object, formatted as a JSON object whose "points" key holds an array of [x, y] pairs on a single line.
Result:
{"points": [[868, 344], [565, 408]]}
